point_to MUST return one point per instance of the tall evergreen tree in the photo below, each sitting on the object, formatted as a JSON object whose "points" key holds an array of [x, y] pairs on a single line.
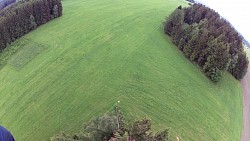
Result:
{"points": [[208, 40], [24, 16]]}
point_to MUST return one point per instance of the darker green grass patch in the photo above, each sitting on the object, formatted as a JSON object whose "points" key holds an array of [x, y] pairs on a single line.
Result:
{"points": [[28, 52], [8, 52]]}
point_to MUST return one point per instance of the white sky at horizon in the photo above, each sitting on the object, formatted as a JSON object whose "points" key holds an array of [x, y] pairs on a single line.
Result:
{"points": [[237, 12]]}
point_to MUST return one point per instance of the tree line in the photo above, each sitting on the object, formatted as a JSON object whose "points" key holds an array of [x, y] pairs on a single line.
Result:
{"points": [[208, 40], [5, 3], [111, 126], [26, 15]]}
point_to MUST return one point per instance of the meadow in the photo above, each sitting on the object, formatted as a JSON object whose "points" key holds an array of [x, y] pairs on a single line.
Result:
{"points": [[103, 51]]}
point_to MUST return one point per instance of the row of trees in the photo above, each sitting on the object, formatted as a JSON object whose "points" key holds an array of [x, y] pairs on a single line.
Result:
{"points": [[24, 16], [4, 3], [112, 127], [208, 40]]}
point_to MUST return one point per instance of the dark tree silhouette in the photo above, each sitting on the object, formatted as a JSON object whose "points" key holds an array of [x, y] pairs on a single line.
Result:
{"points": [[208, 40], [25, 15], [111, 127]]}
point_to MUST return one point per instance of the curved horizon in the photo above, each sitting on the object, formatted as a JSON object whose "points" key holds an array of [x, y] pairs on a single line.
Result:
{"points": [[236, 13]]}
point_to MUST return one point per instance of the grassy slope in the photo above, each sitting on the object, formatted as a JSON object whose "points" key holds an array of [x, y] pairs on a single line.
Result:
{"points": [[248, 52], [102, 51]]}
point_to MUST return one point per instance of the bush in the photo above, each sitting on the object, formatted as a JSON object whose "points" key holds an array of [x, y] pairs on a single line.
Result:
{"points": [[111, 126], [102, 128], [141, 131]]}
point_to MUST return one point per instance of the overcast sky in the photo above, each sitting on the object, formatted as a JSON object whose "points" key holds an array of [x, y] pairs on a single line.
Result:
{"points": [[237, 12]]}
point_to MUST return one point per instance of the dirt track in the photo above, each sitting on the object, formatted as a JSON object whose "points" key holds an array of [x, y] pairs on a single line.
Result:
{"points": [[246, 107]]}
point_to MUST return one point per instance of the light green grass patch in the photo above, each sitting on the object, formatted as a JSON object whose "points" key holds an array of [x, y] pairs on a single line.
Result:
{"points": [[28, 52]]}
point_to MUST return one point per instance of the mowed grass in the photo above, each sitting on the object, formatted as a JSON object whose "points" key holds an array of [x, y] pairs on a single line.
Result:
{"points": [[102, 51]]}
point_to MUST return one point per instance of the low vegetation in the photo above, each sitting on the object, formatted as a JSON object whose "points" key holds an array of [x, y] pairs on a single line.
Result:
{"points": [[208, 40], [24, 16], [112, 126]]}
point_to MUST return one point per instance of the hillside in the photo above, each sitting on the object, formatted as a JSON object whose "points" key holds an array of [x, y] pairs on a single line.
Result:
{"points": [[246, 103], [248, 52], [101, 51]]}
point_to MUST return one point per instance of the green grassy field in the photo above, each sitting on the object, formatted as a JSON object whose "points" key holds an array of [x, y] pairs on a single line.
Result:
{"points": [[102, 51]]}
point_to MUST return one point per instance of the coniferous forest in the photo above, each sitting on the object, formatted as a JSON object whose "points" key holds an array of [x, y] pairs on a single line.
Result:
{"points": [[23, 16], [208, 40]]}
